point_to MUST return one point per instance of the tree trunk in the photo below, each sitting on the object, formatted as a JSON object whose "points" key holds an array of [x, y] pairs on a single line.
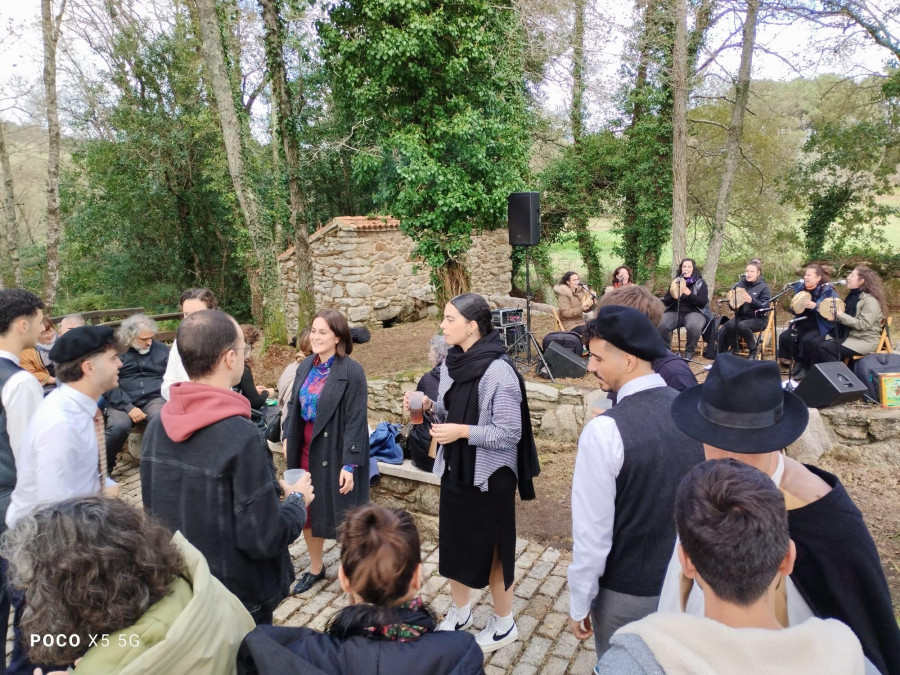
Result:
{"points": [[50, 28], [9, 209], [587, 247], [262, 268], [733, 144], [679, 135], [278, 77]]}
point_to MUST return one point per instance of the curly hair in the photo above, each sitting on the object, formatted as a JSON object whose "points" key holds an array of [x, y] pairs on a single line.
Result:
{"points": [[133, 325], [873, 286], [87, 566]]}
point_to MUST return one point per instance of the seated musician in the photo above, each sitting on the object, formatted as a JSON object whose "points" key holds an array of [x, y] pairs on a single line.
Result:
{"points": [[752, 294], [574, 300], [621, 276], [686, 310], [811, 325], [859, 325]]}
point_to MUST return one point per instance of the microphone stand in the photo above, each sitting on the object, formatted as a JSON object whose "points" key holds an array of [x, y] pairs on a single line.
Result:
{"points": [[734, 312], [678, 316]]}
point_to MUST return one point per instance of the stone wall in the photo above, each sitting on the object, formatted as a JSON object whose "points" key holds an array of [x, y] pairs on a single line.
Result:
{"points": [[363, 268]]}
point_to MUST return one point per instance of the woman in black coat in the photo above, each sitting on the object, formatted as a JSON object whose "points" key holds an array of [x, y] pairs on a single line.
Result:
{"points": [[327, 434], [386, 628], [688, 310]]}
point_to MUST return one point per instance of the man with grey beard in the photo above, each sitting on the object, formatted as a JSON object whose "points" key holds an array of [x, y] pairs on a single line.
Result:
{"points": [[138, 398]]}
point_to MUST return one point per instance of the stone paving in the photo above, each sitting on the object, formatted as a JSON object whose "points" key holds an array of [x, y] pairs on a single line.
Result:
{"points": [[545, 646]]}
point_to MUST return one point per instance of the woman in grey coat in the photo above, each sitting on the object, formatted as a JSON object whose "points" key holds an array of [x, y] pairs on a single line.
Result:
{"points": [[326, 433]]}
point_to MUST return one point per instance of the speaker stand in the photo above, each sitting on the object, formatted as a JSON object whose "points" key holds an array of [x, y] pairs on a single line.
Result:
{"points": [[528, 336]]}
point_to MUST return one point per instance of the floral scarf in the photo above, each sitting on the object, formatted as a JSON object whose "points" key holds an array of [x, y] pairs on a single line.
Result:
{"points": [[308, 397], [405, 623]]}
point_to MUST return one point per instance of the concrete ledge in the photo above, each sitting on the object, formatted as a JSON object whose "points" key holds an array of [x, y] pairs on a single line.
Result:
{"points": [[408, 471]]}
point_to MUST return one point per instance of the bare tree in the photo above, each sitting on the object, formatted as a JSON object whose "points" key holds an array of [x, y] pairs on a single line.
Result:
{"points": [[268, 307], [274, 38], [9, 211], [50, 28], [733, 143]]}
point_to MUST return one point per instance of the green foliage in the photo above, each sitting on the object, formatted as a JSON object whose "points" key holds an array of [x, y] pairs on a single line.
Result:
{"points": [[437, 92], [848, 162], [154, 208]]}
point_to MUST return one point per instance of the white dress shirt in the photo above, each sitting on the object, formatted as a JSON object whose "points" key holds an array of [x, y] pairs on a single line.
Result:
{"points": [[21, 396], [601, 455], [798, 610], [58, 458], [175, 371]]}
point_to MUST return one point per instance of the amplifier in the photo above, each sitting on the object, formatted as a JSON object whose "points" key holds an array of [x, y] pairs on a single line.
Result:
{"points": [[506, 316], [510, 334]]}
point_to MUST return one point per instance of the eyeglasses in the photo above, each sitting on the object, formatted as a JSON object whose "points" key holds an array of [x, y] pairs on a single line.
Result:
{"points": [[247, 350]]}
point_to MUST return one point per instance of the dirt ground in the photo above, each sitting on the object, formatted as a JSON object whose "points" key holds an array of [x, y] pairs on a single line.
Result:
{"points": [[403, 349]]}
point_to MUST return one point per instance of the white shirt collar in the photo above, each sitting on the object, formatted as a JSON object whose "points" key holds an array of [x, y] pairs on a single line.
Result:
{"points": [[9, 355], [83, 401], [642, 383]]}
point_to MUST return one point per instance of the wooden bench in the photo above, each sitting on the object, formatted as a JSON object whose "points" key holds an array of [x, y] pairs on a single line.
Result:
{"points": [[94, 318]]}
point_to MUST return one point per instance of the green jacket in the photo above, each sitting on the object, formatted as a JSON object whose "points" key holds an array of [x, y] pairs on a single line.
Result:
{"points": [[865, 327], [196, 629]]}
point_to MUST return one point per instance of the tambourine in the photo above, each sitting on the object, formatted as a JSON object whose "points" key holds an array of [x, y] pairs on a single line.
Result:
{"points": [[735, 299], [675, 287], [798, 302], [824, 308]]}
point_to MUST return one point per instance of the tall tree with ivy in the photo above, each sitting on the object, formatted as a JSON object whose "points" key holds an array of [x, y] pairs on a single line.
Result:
{"points": [[438, 98]]}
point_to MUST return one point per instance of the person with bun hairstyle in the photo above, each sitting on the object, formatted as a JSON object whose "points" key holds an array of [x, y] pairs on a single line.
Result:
{"points": [[385, 629], [326, 432], [481, 421]]}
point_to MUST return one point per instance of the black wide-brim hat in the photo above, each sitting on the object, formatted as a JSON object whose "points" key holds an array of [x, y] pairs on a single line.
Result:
{"points": [[741, 408]]}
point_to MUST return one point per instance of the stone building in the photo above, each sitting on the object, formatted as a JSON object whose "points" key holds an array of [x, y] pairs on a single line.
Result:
{"points": [[362, 266]]}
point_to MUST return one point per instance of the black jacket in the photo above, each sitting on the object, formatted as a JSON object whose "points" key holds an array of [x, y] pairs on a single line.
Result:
{"points": [[247, 388], [274, 650], [420, 434], [218, 488], [140, 377], [695, 302], [759, 299]]}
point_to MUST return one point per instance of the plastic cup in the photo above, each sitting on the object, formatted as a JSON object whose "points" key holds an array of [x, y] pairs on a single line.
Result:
{"points": [[291, 476], [416, 400]]}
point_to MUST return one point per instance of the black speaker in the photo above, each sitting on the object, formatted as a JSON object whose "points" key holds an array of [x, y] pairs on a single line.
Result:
{"points": [[524, 216], [829, 384], [563, 363]]}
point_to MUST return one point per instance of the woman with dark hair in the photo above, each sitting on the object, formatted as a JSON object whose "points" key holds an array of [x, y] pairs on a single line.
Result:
{"points": [[37, 360], [621, 276], [859, 325], [386, 627], [483, 427], [326, 432], [797, 342], [574, 300], [98, 567], [753, 295], [687, 297]]}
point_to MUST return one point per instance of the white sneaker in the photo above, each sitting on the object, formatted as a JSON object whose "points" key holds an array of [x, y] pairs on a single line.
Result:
{"points": [[456, 620], [490, 639]]}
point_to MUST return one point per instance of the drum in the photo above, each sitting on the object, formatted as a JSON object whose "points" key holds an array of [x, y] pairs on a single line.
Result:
{"points": [[798, 302], [824, 307], [735, 299], [678, 283]]}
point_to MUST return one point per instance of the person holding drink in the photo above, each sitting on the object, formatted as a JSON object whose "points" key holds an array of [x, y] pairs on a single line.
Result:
{"points": [[481, 422], [327, 434]]}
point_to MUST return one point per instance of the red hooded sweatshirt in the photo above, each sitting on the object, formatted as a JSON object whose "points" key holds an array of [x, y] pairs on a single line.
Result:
{"points": [[193, 406]]}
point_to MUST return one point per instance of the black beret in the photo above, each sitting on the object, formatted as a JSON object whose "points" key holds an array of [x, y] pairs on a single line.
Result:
{"points": [[630, 330], [78, 342]]}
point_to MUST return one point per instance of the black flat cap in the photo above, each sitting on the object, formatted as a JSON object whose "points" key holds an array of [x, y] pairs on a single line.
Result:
{"points": [[80, 341], [630, 330]]}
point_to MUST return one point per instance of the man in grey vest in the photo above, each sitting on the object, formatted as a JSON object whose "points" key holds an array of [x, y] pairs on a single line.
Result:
{"points": [[20, 394], [629, 463]]}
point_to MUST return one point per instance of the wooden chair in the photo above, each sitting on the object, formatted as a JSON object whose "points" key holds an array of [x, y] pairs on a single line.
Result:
{"points": [[884, 344], [765, 340], [559, 324]]}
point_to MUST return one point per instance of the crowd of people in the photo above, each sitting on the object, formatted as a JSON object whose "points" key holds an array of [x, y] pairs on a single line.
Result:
{"points": [[742, 556]]}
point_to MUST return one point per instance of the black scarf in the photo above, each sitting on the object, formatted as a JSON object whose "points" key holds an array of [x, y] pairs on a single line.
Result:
{"points": [[461, 400], [400, 624], [849, 308]]}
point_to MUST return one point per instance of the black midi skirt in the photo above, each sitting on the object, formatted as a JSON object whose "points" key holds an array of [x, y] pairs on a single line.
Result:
{"points": [[473, 524]]}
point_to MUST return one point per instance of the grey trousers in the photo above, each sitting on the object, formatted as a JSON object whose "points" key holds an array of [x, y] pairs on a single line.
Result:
{"points": [[611, 610]]}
